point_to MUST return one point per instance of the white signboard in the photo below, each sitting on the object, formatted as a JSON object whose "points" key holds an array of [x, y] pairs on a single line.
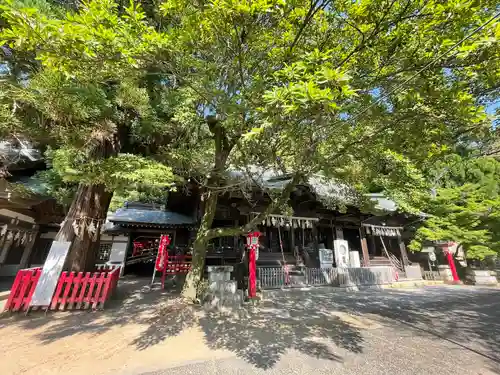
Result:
{"points": [[341, 249], [50, 273], [325, 258], [354, 259], [118, 252]]}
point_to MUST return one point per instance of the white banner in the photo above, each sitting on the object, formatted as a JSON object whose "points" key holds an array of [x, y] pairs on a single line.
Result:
{"points": [[50, 273]]}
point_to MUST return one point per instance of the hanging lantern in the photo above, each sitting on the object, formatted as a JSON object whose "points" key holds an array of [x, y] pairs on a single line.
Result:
{"points": [[268, 221], [4, 230], [273, 221]]}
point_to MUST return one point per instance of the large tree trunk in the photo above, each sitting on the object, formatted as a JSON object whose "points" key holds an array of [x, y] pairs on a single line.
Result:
{"points": [[90, 202], [194, 276]]}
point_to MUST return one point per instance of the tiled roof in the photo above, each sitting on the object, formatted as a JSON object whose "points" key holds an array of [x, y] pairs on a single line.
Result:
{"points": [[145, 216]]}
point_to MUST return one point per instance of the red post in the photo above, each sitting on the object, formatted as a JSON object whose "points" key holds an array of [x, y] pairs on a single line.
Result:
{"points": [[252, 277], [252, 243], [451, 263]]}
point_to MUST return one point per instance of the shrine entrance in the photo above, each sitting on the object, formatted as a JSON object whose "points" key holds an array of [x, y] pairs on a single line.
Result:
{"points": [[142, 252]]}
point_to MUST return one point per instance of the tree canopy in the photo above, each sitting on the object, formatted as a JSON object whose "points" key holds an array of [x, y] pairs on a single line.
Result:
{"points": [[466, 206], [371, 92]]}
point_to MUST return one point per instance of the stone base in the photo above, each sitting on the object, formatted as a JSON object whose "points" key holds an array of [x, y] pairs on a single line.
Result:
{"points": [[481, 277], [223, 301]]}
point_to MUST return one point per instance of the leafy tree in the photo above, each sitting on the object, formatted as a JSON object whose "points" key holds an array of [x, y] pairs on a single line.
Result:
{"points": [[74, 84], [306, 87], [359, 91], [466, 207]]}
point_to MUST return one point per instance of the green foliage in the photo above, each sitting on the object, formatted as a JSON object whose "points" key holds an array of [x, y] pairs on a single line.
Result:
{"points": [[116, 173], [302, 87], [466, 208]]}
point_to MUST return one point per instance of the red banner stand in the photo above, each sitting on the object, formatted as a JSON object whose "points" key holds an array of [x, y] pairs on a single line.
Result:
{"points": [[451, 263], [162, 259]]}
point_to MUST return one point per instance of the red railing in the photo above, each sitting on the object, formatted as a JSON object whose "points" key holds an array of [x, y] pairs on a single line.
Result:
{"points": [[22, 289], [84, 290], [178, 264], [73, 291]]}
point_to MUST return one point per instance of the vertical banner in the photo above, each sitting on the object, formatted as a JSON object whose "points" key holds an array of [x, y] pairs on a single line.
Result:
{"points": [[161, 259], [51, 271]]}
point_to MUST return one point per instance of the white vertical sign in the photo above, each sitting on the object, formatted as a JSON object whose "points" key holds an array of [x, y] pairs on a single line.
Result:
{"points": [[51, 271], [341, 249]]}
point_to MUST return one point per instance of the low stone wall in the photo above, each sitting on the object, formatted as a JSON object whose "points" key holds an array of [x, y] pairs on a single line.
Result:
{"points": [[481, 277], [413, 272]]}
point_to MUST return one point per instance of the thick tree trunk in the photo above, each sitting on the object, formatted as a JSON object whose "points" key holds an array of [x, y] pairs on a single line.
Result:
{"points": [[200, 248], [90, 203]]}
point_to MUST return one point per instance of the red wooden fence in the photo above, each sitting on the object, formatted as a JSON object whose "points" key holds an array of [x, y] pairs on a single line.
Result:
{"points": [[22, 289], [73, 291]]}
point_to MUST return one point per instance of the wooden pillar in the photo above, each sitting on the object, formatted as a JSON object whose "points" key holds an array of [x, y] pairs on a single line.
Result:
{"points": [[28, 249], [364, 247], [5, 248], [373, 246], [333, 235], [315, 235], [404, 253], [235, 239]]}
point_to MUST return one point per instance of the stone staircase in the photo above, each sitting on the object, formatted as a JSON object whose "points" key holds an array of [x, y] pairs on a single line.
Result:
{"points": [[380, 261], [296, 272], [275, 259]]}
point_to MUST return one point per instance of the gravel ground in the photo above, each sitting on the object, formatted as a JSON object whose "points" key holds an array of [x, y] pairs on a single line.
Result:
{"points": [[445, 330]]}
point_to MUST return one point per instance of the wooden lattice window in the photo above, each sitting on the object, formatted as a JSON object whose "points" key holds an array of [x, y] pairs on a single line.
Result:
{"points": [[104, 251]]}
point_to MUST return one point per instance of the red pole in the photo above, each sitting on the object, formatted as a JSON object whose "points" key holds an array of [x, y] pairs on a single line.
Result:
{"points": [[252, 279], [451, 263]]}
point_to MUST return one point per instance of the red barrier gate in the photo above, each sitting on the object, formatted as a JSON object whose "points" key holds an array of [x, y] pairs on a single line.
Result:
{"points": [[73, 291], [84, 290]]}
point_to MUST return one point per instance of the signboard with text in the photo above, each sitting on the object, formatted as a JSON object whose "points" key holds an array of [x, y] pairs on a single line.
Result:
{"points": [[51, 271]]}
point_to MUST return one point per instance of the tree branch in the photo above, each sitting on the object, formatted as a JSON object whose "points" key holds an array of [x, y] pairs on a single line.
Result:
{"points": [[243, 229]]}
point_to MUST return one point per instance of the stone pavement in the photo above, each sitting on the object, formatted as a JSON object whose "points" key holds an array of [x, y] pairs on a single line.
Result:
{"points": [[442, 330]]}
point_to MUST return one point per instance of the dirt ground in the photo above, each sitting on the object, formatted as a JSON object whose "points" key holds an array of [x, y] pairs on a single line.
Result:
{"points": [[140, 331]]}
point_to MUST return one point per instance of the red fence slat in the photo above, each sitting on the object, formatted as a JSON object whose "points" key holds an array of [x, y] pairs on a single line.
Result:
{"points": [[67, 289], [15, 289], [57, 293], [25, 284], [83, 290], [76, 286], [34, 277], [100, 282], [88, 298]]}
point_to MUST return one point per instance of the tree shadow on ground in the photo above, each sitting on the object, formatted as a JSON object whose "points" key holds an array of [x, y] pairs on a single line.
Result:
{"points": [[468, 317], [133, 303], [260, 335]]}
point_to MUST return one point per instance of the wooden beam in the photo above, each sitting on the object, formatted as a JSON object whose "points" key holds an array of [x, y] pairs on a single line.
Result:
{"points": [[364, 247], [404, 253]]}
